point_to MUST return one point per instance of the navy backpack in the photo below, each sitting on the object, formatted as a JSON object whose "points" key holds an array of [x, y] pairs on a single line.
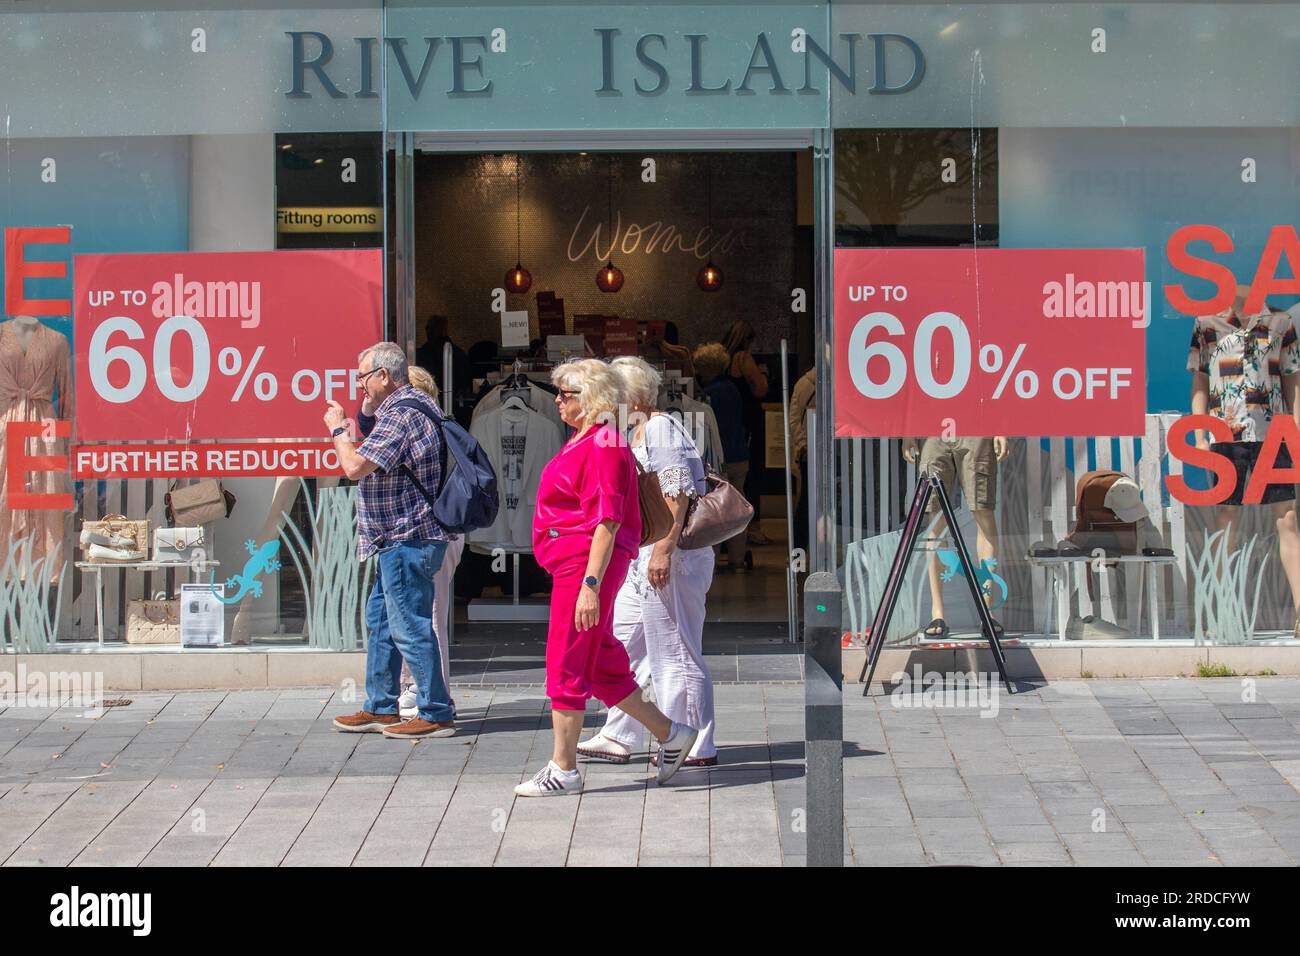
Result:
{"points": [[467, 499]]}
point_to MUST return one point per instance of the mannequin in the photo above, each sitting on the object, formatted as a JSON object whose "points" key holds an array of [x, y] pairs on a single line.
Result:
{"points": [[975, 460], [35, 386], [1232, 359]]}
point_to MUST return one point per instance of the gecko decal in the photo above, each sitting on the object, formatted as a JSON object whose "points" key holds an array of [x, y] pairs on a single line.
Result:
{"points": [[262, 560], [985, 575]]}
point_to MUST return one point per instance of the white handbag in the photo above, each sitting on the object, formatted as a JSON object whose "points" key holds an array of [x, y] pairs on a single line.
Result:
{"points": [[178, 545]]}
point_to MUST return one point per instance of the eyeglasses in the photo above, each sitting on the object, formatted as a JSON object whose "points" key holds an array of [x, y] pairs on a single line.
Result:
{"points": [[362, 376], [568, 393]]}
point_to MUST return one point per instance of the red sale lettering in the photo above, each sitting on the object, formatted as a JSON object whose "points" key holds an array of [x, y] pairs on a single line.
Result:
{"points": [[19, 464], [1222, 468], [1283, 242], [1281, 430], [18, 269]]}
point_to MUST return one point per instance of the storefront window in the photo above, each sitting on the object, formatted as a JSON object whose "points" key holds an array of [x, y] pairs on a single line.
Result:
{"points": [[162, 387], [1036, 293]]}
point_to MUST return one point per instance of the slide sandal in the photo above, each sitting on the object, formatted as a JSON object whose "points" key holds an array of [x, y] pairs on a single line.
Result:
{"points": [[936, 630]]}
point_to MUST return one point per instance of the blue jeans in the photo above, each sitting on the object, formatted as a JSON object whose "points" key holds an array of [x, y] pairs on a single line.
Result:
{"points": [[399, 615]]}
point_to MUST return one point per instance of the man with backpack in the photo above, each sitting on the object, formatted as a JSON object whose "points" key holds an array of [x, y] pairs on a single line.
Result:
{"points": [[399, 468]]}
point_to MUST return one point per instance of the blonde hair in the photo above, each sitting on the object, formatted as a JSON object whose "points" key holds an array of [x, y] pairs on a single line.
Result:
{"points": [[641, 380], [422, 380], [711, 360], [599, 387]]}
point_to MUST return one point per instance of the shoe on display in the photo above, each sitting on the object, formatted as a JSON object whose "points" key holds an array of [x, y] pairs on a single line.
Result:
{"points": [[418, 727], [601, 747], [550, 781], [99, 552], [674, 750], [364, 722], [106, 540]]}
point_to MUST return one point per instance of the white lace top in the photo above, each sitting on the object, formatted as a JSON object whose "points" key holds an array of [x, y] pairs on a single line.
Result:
{"points": [[668, 449]]}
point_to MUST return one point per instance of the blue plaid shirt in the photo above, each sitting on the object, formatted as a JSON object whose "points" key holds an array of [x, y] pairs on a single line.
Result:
{"points": [[389, 508]]}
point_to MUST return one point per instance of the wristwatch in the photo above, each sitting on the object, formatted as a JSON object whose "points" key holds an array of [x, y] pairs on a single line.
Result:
{"points": [[591, 581], [341, 430]]}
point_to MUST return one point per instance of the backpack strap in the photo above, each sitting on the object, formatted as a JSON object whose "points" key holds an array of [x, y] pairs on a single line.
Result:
{"points": [[442, 459]]}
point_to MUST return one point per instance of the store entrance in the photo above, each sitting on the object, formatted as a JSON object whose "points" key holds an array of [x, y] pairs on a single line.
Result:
{"points": [[613, 249]]}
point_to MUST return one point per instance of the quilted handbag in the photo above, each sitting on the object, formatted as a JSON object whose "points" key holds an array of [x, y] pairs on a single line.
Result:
{"points": [[716, 516], [153, 622], [200, 503], [178, 545]]}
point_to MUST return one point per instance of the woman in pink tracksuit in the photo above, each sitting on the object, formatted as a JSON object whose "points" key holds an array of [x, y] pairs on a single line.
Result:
{"points": [[586, 531]]}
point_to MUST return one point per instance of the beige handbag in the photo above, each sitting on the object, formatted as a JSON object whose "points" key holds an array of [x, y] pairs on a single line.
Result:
{"points": [[153, 622], [200, 503], [120, 526]]}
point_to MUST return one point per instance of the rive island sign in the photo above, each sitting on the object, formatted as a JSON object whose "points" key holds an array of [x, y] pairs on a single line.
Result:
{"points": [[616, 63]]}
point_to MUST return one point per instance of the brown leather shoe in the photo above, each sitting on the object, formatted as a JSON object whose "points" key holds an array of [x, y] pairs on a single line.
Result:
{"points": [[417, 727], [364, 722]]}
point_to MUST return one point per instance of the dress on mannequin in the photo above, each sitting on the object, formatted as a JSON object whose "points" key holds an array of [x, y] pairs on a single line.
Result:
{"points": [[35, 370]]}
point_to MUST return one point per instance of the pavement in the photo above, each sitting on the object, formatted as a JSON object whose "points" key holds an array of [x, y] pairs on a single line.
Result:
{"points": [[1120, 772]]}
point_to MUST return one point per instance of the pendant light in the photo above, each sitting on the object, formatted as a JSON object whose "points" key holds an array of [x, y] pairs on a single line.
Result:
{"points": [[610, 276], [709, 279], [518, 279]]}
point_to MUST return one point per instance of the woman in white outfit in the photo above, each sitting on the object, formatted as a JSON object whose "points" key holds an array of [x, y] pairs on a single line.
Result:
{"points": [[659, 613]]}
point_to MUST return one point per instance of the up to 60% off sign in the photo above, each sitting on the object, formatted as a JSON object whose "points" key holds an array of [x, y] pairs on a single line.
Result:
{"points": [[997, 342], [220, 345]]}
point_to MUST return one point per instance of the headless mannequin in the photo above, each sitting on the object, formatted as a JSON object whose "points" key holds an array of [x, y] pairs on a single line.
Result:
{"points": [[24, 327], [986, 540], [1228, 517]]}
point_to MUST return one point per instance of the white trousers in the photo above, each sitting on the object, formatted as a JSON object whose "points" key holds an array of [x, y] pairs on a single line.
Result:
{"points": [[663, 631], [443, 602]]}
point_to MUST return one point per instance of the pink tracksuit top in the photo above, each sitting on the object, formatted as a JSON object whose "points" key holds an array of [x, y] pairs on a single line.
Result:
{"points": [[591, 480]]}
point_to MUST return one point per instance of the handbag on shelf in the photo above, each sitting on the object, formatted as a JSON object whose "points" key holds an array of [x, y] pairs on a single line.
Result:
{"points": [[156, 621], [178, 545], [656, 516], [716, 516], [200, 503], [112, 531]]}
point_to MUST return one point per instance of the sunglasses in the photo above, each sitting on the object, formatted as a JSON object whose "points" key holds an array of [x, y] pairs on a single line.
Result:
{"points": [[568, 393]]}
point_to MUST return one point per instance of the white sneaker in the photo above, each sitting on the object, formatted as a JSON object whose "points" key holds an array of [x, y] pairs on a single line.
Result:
{"points": [[550, 781], [673, 751], [406, 704], [605, 748], [98, 552]]}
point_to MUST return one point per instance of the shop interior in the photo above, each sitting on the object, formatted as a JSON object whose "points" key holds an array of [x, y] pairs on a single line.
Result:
{"points": [[523, 259]]}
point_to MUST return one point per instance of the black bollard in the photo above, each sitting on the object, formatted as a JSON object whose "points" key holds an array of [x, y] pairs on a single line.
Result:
{"points": [[823, 720]]}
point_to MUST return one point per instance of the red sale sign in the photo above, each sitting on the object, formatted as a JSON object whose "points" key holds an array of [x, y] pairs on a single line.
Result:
{"points": [[965, 342], [224, 345]]}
